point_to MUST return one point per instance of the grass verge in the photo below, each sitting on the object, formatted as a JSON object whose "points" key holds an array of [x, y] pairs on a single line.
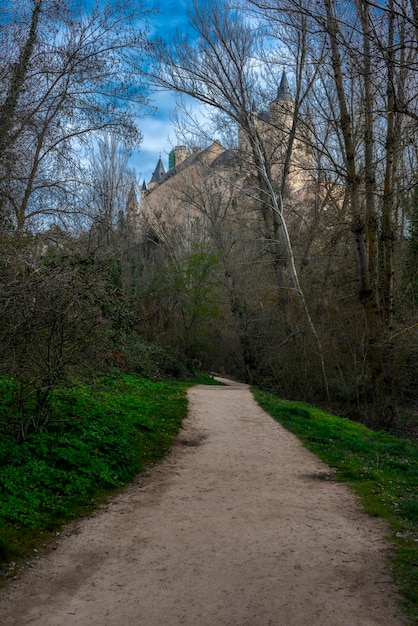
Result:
{"points": [[382, 469], [98, 438]]}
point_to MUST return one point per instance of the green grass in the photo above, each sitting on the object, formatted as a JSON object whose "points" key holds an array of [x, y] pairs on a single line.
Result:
{"points": [[382, 469], [98, 438]]}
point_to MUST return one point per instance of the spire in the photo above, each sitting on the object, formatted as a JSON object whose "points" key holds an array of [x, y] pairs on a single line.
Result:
{"points": [[159, 172], [132, 206], [284, 92], [132, 199], [144, 186]]}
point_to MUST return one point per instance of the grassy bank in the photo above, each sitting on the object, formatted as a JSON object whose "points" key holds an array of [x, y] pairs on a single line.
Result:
{"points": [[383, 471], [98, 437]]}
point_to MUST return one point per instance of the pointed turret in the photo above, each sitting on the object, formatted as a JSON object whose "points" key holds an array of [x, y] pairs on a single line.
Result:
{"points": [[132, 201], [159, 172], [284, 93], [283, 107], [143, 193], [132, 205]]}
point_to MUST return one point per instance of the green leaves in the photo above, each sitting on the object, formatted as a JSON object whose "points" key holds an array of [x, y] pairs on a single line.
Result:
{"points": [[104, 436]]}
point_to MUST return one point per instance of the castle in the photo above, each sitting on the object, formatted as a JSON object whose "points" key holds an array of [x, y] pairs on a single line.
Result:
{"points": [[172, 202]]}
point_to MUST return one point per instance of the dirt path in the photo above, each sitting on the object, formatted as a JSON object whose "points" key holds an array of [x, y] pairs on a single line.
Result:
{"points": [[238, 526]]}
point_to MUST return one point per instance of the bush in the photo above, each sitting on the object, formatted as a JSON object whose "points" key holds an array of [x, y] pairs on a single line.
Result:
{"points": [[61, 313], [152, 361]]}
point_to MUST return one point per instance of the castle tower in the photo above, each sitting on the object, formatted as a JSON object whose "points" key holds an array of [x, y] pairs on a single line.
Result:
{"points": [[132, 209], [158, 174], [282, 109], [176, 156], [274, 125]]}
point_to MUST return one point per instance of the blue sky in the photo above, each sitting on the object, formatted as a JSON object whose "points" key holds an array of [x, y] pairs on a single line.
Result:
{"points": [[158, 130]]}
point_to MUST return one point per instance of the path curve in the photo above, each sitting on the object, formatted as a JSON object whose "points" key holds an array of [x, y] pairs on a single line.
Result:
{"points": [[238, 526]]}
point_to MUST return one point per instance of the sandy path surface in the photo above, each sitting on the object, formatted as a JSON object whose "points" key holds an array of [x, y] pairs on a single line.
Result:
{"points": [[237, 526]]}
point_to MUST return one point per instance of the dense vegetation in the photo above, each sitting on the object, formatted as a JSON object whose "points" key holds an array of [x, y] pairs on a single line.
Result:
{"points": [[382, 469]]}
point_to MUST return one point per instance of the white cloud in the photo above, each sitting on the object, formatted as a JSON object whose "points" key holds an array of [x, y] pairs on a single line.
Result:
{"points": [[159, 134], [158, 137]]}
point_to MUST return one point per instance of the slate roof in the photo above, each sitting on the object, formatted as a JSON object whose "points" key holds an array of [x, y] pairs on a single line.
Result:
{"points": [[284, 92], [159, 172]]}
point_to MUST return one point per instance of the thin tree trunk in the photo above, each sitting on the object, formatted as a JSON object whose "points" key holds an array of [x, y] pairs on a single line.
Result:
{"points": [[387, 223], [277, 207], [18, 78], [363, 227]]}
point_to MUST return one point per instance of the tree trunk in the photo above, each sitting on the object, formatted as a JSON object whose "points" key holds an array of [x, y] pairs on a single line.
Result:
{"points": [[364, 224]]}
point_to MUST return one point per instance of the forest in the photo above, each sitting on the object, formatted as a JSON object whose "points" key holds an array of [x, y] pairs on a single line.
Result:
{"points": [[312, 296]]}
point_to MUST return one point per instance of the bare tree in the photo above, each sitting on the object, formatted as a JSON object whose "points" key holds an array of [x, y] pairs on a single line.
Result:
{"points": [[110, 188], [367, 102], [72, 77], [61, 312], [218, 69]]}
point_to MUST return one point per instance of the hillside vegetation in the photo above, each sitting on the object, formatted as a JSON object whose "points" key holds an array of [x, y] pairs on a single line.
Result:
{"points": [[99, 436]]}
